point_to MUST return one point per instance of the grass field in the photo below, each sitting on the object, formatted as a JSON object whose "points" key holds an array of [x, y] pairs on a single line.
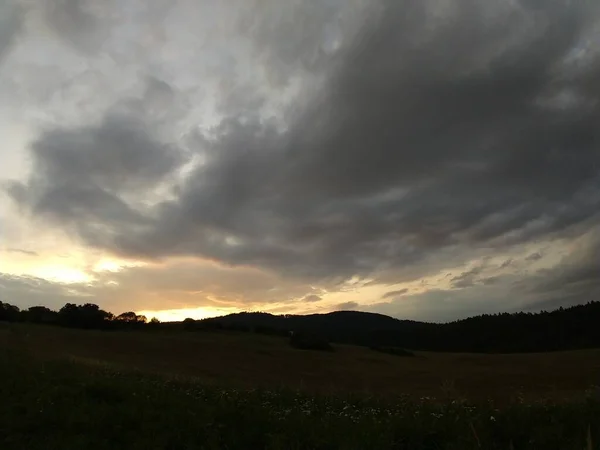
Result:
{"points": [[63, 389]]}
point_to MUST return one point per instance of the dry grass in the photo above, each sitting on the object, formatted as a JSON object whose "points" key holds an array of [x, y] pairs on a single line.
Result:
{"points": [[68, 389], [248, 360]]}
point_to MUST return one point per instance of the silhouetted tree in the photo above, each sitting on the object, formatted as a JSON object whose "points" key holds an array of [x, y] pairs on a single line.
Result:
{"points": [[86, 316], [40, 314], [129, 320], [131, 317], [189, 324], [9, 313]]}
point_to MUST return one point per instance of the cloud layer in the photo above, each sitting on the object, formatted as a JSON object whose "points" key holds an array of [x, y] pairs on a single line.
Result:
{"points": [[432, 134]]}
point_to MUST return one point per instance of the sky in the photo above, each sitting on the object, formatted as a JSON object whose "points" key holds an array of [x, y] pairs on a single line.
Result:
{"points": [[428, 160]]}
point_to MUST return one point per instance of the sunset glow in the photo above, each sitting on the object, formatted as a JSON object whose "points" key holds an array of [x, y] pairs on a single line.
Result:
{"points": [[176, 315], [107, 266], [61, 274]]}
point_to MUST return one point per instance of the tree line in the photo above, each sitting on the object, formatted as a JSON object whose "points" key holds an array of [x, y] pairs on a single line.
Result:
{"points": [[577, 327], [86, 316]]}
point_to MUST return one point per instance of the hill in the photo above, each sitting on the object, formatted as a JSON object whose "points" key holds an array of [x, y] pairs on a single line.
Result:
{"points": [[339, 321], [562, 329]]}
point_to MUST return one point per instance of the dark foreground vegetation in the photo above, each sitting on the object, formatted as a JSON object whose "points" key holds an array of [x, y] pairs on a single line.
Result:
{"points": [[65, 404], [563, 329], [65, 389]]}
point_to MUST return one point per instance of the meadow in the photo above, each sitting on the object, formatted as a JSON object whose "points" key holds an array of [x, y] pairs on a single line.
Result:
{"points": [[63, 389]]}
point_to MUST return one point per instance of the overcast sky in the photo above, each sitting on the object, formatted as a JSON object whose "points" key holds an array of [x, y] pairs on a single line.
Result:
{"points": [[428, 160]]}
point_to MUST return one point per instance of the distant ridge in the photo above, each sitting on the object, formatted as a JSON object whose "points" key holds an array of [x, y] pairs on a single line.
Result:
{"points": [[562, 329], [347, 319]]}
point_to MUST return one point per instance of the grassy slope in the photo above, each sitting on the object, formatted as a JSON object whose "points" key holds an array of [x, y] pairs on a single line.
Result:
{"points": [[63, 389], [246, 360]]}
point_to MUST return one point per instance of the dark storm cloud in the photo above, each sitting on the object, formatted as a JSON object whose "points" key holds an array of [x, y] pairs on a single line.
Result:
{"points": [[10, 23], [158, 105], [82, 177], [459, 128], [80, 23], [292, 37], [576, 279], [466, 279]]}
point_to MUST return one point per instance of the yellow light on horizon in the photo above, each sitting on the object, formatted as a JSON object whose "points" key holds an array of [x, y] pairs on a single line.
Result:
{"points": [[177, 315]]}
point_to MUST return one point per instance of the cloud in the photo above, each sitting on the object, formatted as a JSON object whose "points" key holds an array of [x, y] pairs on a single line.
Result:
{"points": [[473, 132], [346, 306], [203, 282], [444, 305], [80, 23], [10, 23], [467, 278], [311, 298], [489, 280], [22, 251], [171, 285], [574, 280], [534, 257], [397, 293], [27, 291], [295, 36], [94, 179]]}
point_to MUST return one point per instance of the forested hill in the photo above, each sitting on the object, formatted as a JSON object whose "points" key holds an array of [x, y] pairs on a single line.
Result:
{"points": [[562, 329]]}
